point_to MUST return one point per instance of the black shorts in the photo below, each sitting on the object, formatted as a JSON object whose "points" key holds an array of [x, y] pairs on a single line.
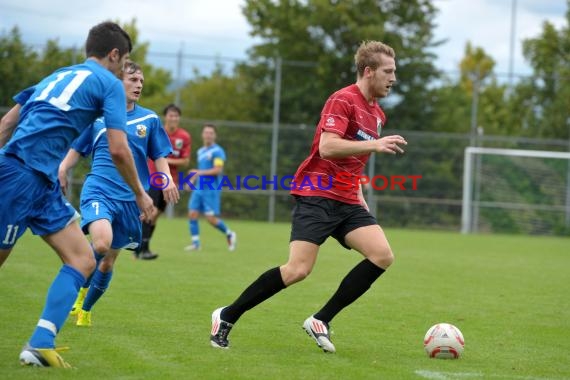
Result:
{"points": [[157, 198], [317, 218]]}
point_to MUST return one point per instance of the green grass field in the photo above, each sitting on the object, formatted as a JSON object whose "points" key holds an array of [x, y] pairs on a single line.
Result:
{"points": [[509, 295]]}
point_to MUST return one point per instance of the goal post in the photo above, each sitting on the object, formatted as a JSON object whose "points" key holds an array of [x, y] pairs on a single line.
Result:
{"points": [[551, 194]]}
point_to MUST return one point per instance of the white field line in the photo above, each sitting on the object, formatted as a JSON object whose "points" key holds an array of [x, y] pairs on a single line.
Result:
{"points": [[438, 375]]}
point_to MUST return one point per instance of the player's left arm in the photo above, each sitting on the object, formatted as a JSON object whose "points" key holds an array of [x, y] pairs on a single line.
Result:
{"points": [[171, 194], [8, 124], [71, 159], [216, 170]]}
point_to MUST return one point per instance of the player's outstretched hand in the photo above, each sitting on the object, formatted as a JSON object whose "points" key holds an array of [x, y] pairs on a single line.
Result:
{"points": [[391, 144], [171, 194], [148, 211]]}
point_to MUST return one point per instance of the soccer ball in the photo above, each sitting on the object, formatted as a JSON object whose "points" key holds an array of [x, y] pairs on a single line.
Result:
{"points": [[444, 341]]}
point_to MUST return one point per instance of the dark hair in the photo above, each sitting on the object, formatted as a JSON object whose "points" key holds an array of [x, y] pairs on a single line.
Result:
{"points": [[208, 125], [131, 67], [105, 37], [172, 107]]}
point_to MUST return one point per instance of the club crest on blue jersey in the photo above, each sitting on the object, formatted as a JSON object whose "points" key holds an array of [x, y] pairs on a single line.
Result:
{"points": [[141, 130]]}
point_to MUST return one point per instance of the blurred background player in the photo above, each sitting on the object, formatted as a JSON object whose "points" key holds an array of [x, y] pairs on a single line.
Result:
{"points": [[108, 211], [178, 160], [45, 121], [204, 200]]}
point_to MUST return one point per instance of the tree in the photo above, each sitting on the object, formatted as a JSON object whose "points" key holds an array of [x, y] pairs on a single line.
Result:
{"points": [[18, 64], [541, 102], [317, 39], [157, 80]]}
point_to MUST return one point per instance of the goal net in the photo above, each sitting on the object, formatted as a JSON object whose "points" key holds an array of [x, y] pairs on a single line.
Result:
{"points": [[516, 191]]}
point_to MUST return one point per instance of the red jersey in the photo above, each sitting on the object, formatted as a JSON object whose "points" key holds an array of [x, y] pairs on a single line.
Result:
{"points": [[348, 114], [180, 141]]}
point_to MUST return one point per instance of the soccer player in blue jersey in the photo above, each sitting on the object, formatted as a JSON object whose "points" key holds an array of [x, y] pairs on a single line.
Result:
{"points": [[205, 198], [108, 209], [50, 115]]}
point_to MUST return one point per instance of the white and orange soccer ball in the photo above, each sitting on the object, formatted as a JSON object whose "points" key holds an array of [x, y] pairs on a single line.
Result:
{"points": [[444, 341]]}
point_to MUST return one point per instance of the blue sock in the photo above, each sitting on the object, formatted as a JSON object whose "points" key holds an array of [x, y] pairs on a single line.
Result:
{"points": [[195, 231], [98, 258], [98, 286], [60, 298], [222, 227]]}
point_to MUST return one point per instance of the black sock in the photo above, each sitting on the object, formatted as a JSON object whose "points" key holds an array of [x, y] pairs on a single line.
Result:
{"points": [[147, 230], [267, 285], [355, 284]]}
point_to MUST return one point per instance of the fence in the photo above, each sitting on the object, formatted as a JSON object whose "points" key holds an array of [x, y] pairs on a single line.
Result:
{"points": [[276, 149], [435, 203]]}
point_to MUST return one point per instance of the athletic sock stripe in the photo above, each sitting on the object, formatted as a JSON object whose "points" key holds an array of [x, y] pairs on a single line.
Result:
{"points": [[44, 323]]}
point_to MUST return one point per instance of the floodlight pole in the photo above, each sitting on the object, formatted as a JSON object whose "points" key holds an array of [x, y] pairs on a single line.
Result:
{"points": [[275, 137], [512, 42], [568, 179]]}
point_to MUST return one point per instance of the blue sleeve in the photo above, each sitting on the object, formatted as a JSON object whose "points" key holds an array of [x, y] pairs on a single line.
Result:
{"points": [[159, 145], [84, 143], [23, 96], [115, 106], [220, 153]]}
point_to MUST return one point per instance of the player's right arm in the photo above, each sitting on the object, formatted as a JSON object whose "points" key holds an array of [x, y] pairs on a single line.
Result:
{"points": [[8, 123]]}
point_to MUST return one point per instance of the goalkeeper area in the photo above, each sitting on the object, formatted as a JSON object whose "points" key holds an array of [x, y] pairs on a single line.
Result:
{"points": [[507, 293], [516, 191]]}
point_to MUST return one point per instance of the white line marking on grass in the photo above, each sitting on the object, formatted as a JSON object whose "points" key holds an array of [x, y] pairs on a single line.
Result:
{"points": [[446, 375], [437, 375]]}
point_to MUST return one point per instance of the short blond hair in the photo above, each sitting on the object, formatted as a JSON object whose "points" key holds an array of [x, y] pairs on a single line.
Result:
{"points": [[366, 55]]}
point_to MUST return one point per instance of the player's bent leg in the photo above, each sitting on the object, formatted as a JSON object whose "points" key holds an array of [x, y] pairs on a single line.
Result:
{"points": [[75, 251], [101, 233], [372, 243], [301, 261], [73, 248], [302, 258], [100, 283], [108, 262], [231, 236]]}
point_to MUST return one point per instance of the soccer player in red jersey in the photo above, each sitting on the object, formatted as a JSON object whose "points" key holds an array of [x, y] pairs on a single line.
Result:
{"points": [[178, 160], [347, 133]]}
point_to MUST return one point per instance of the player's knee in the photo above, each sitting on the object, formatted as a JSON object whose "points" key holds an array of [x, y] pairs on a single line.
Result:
{"points": [[292, 274], [383, 258], [101, 246]]}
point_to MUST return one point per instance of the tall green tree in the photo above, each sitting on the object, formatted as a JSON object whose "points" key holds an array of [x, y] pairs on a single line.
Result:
{"points": [[317, 39], [157, 80], [18, 64], [541, 103]]}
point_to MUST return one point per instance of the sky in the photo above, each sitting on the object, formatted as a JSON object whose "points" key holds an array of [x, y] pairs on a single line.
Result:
{"points": [[202, 29]]}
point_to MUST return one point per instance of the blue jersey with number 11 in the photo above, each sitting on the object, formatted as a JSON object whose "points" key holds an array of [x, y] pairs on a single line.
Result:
{"points": [[59, 108]]}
